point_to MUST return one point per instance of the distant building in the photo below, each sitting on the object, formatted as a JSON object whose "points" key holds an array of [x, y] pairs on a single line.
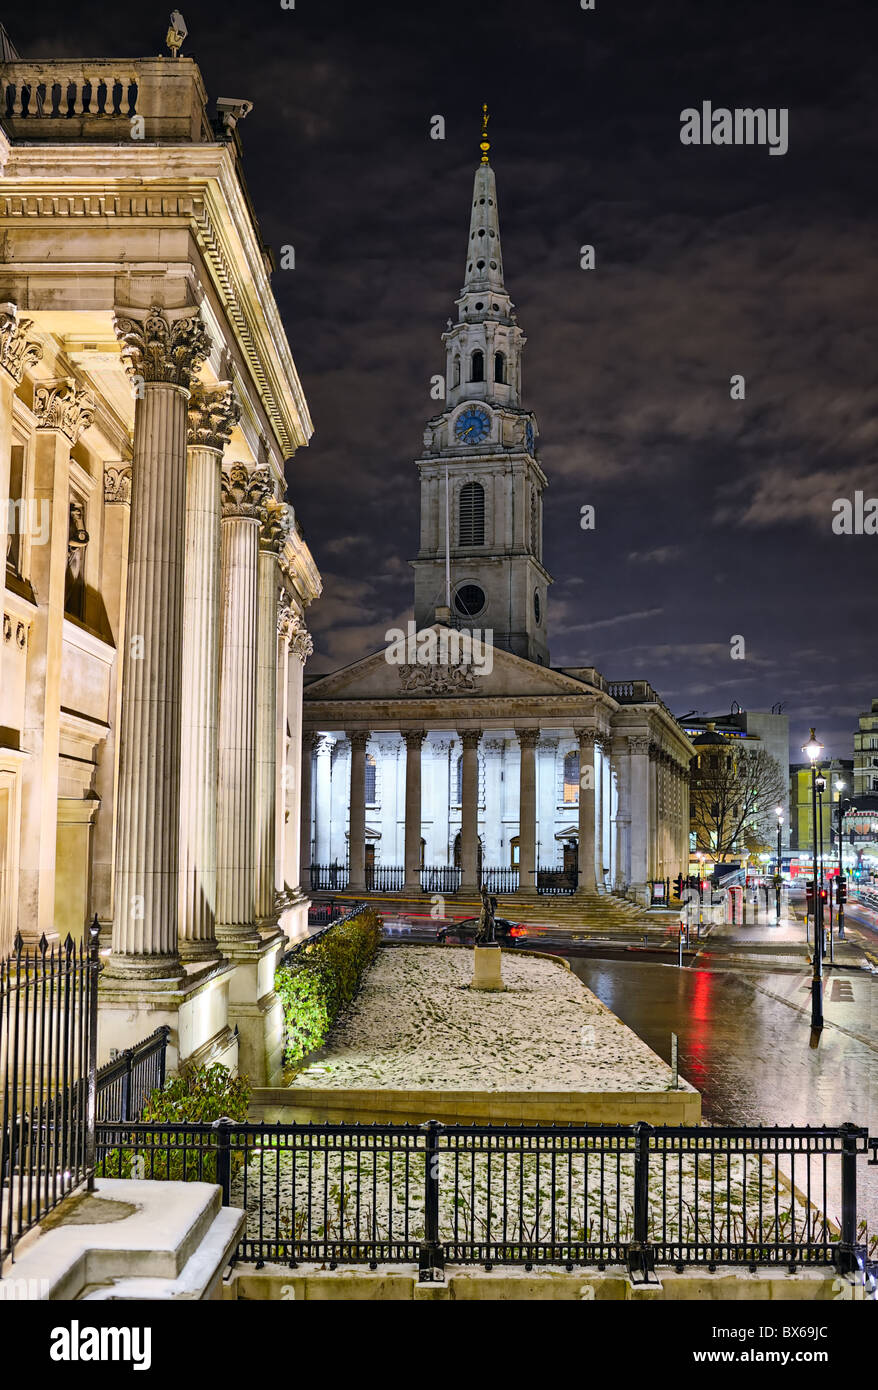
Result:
{"points": [[801, 828], [771, 731], [866, 753]]}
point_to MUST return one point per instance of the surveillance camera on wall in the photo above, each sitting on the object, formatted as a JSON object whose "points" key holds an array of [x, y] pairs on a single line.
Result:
{"points": [[177, 32], [231, 110]]}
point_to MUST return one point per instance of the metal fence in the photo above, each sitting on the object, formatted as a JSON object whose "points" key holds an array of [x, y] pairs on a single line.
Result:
{"points": [[500, 880], [639, 1196], [124, 1085], [555, 882], [48, 1091], [333, 920], [443, 878]]}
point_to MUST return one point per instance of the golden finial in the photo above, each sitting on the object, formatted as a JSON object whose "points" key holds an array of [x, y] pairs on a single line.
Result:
{"points": [[485, 145]]}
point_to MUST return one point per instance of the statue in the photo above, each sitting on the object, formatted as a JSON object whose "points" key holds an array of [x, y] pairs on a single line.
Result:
{"points": [[485, 932]]}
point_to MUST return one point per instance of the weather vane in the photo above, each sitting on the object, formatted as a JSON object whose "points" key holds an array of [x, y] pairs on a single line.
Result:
{"points": [[485, 145]]}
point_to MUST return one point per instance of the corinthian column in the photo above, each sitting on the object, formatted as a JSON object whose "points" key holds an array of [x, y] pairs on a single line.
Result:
{"points": [[162, 350], [527, 810], [357, 835], [277, 522], [213, 414], [17, 354], [244, 494], [587, 739], [297, 773], [63, 412], [469, 811], [414, 739]]}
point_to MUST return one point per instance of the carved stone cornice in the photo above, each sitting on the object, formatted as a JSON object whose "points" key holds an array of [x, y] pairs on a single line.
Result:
{"points": [[278, 521], [164, 346], [436, 678], [62, 405], [214, 411], [17, 351], [117, 484], [245, 491]]}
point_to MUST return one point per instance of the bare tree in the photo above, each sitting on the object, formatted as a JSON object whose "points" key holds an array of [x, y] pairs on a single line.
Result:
{"points": [[733, 790]]}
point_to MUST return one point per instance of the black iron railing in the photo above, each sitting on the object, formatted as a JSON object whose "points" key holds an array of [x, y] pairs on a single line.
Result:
{"points": [[583, 1195], [500, 880], [554, 881], [124, 1085], [443, 878], [327, 878], [48, 1091], [385, 878], [333, 920]]}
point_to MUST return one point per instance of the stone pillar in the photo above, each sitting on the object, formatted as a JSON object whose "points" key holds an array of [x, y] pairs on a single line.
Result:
{"points": [[306, 811], [161, 350], [283, 768], [652, 858], [244, 493], [17, 354], [62, 412], [357, 824], [527, 810], [623, 814], [277, 522], [323, 807], [598, 814], [413, 739], [469, 812], [638, 749], [586, 855], [213, 414], [117, 515]]}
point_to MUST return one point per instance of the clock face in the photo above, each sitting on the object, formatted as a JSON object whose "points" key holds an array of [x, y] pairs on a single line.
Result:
{"points": [[472, 426], [529, 437]]}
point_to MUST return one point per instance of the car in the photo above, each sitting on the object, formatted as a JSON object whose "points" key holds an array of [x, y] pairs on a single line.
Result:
{"points": [[465, 930]]}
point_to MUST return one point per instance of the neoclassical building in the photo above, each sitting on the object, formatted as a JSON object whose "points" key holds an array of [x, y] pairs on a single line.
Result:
{"points": [[156, 580], [477, 762]]}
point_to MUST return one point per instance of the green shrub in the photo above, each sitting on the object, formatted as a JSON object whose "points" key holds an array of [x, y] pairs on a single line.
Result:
{"points": [[197, 1096], [322, 979]]}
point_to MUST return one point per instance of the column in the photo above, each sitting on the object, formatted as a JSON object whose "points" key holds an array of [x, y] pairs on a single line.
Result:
{"points": [[598, 814], [213, 414], [587, 739], [357, 824], [469, 812], [638, 749], [414, 739], [117, 515], [63, 412], [323, 806], [277, 523], [244, 493], [652, 821], [527, 810], [17, 354], [623, 814], [284, 772], [306, 811], [161, 351]]}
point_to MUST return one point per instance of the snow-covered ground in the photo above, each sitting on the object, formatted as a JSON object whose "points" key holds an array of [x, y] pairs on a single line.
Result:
{"points": [[417, 1024]]}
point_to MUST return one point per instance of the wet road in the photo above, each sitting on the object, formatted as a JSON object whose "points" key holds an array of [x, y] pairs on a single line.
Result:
{"points": [[748, 1051]]}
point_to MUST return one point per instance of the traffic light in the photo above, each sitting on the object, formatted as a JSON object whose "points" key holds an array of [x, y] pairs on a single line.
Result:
{"points": [[842, 891], [824, 895], [809, 893]]}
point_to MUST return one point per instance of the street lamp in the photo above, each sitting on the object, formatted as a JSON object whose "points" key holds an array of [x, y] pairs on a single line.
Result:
{"points": [[812, 750], [778, 811]]}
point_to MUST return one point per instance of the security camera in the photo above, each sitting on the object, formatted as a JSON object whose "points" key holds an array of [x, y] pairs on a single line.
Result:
{"points": [[231, 110], [177, 32]]}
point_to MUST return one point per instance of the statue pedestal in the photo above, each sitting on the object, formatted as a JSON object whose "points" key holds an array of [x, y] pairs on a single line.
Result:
{"points": [[487, 971]]}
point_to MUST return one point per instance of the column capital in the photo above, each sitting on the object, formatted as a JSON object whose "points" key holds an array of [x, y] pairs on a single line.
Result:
{"points": [[162, 346], [528, 738], [17, 351], [359, 738], [301, 643], [244, 491], [470, 738], [587, 737], [278, 521], [638, 744], [117, 484], [62, 405], [413, 738], [214, 411]]}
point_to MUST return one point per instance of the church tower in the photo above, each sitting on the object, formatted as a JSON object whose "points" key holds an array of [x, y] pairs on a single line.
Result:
{"points": [[481, 481]]}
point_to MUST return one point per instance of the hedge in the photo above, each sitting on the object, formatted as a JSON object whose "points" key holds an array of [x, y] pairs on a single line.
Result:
{"points": [[322, 979]]}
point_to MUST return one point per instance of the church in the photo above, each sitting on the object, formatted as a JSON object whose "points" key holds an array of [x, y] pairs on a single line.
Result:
{"points": [[458, 755]]}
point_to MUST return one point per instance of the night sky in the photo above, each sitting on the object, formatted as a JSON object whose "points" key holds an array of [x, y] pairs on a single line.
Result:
{"points": [[713, 515]]}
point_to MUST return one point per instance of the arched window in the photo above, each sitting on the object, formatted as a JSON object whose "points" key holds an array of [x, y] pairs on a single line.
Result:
{"points": [[571, 778], [477, 366], [370, 780], [456, 375], [499, 368], [471, 515]]}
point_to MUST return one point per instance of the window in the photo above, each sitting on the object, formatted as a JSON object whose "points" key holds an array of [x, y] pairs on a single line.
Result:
{"points": [[471, 515], [469, 600], [370, 779], [499, 368], [571, 778], [477, 366], [17, 520], [77, 540], [514, 852]]}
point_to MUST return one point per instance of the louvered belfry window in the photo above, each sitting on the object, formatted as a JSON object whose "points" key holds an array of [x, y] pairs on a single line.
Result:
{"points": [[471, 518]]}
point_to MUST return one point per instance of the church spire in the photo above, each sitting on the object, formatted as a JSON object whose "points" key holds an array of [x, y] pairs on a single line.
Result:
{"points": [[484, 262], [485, 145]]}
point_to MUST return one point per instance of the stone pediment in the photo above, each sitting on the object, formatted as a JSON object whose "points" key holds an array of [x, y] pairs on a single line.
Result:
{"points": [[427, 672]]}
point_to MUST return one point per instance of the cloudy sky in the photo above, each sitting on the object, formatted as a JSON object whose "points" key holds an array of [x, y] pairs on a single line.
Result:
{"points": [[713, 515]]}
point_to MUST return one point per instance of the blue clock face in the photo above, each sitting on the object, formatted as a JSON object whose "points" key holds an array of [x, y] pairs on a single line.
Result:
{"points": [[529, 437], [472, 426]]}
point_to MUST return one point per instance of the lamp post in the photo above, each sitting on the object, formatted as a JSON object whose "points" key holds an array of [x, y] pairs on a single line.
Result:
{"points": [[778, 879], [812, 749]]}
